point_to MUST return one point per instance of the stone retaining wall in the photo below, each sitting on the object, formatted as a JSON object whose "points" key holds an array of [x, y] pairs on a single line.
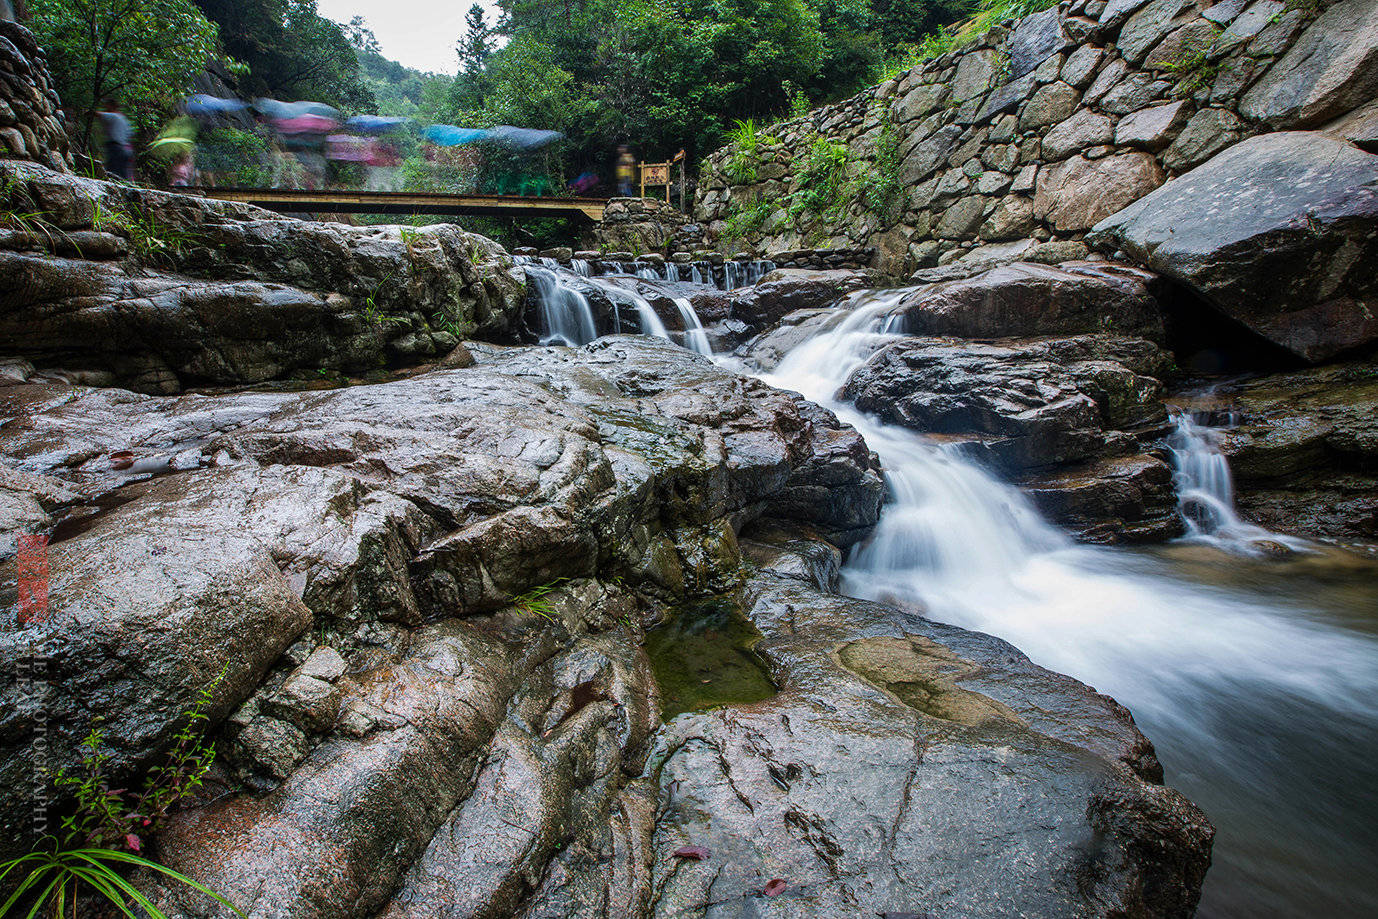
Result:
{"points": [[1032, 134], [641, 225], [31, 121]]}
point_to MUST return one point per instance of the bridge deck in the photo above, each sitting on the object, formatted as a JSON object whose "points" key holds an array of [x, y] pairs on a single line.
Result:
{"points": [[293, 200]]}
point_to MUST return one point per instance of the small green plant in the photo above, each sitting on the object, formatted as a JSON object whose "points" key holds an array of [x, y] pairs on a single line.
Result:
{"points": [[747, 219], [799, 103], [536, 601], [882, 188], [1193, 70], [104, 835], [151, 241], [823, 189], [746, 140]]}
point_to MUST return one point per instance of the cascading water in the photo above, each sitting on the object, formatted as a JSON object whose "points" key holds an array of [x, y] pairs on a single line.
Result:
{"points": [[565, 313], [695, 338], [1263, 703]]}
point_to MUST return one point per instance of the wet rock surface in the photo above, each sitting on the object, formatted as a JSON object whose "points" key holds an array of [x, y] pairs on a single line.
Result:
{"points": [[157, 292], [429, 597]]}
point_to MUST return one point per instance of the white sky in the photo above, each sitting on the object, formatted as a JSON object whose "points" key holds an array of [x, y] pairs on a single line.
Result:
{"points": [[418, 33]]}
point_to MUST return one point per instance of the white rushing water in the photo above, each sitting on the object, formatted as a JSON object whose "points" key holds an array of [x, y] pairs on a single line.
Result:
{"points": [[1219, 677], [565, 313], [695, 338]]}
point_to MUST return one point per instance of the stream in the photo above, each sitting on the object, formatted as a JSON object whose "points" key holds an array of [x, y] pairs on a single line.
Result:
{"points": [[1257, 680], [1255, 677]]}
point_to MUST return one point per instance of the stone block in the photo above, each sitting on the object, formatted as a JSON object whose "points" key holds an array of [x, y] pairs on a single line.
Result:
{"points": [[1051, 104], [1080, 66], [1082, 130], [1076, 193], [1152, 128], [1035, 38], [1148, 26], [1207, 133]]}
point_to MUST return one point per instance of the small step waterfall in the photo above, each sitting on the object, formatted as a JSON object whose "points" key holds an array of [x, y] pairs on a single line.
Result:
{"points": [[567, 318], [727, 276], [695, 338], [1205, 490], [1255, 700]]}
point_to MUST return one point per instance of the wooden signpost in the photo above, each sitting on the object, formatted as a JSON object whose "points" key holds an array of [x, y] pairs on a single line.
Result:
{"points": [[656, 174]]}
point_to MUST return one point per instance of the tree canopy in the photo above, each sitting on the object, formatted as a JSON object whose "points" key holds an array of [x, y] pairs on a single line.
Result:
{"points": [[142, 53]]}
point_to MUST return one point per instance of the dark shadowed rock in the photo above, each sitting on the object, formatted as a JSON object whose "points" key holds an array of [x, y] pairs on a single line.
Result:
{"points": [[1277, 232], [1024, 299]]}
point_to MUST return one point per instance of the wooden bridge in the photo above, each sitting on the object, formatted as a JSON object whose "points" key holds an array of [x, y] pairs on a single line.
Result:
{"points": [[300, 201]]}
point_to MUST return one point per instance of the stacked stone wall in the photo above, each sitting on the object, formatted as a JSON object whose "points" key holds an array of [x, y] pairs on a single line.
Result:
{"points": [[1020, 142], [31, 121]]}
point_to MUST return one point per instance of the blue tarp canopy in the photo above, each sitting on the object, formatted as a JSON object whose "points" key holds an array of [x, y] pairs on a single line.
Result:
{"points": [[286, 110], [204, 106], [447, 135], [376, 124], [525, 138]]}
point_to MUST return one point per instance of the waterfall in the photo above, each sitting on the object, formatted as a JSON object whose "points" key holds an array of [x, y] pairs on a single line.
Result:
{"points": [[565, 313], [1205, 490], [696, 275], [732, 275], [648, 273], [650, 322], [695, 338], [1254, 697], [582, 267]]}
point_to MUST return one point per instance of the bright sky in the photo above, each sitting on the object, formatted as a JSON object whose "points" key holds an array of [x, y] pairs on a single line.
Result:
{"points": [[418, 33]]}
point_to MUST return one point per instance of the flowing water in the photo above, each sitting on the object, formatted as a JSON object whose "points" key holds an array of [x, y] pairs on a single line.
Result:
{"points": [[567, 317], [1256, 679]]}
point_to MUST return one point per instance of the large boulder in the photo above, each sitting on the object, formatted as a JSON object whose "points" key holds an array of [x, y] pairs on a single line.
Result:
{"points": [[1022, 404], [1330, 69], [1279, 232], [785, 290], [1026, 299]]}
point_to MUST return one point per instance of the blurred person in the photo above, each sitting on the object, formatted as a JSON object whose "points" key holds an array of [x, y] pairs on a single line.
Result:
{"points": [[182, 171], [626, 170], [119, 140]]}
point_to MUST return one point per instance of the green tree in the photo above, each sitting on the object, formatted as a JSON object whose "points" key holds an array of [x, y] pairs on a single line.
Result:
{"points": [[477, 44], [142, 53], [292, 52]]}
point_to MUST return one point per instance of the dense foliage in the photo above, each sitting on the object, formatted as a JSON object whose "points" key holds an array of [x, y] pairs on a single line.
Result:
{"points": [[665, 75], [291, 51], [142, 53]]}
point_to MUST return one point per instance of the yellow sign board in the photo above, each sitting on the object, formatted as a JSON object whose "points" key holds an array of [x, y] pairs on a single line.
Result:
{"points": [[657, 174]]}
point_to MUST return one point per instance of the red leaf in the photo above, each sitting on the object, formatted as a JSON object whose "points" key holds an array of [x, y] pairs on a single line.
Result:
{"points": [[697, 853], [133, 842], [121, 459], [775, 888]]}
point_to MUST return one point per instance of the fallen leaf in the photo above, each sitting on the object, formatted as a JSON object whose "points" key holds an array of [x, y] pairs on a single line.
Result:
{"points": [[121, 459], [775, 888], [697, 853]]}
